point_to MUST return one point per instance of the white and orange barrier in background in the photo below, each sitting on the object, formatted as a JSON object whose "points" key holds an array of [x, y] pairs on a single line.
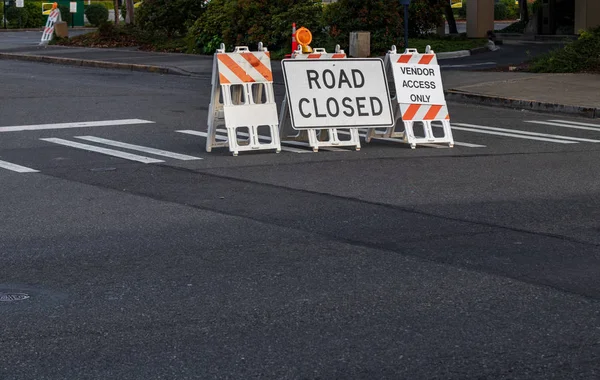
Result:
{"points": [[242, 98], [419, 99], [53, 18]]}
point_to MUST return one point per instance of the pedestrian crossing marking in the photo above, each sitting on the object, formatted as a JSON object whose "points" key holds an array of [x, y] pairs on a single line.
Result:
{"points": [[16, 168], [572, 125], [106, 151], [156, 152], [527, 133], [85, 124], [515, 135], [576, 123]]}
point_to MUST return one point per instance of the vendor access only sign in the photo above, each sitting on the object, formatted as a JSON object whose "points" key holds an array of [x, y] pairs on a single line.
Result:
{"points": [[418, 84], [337, 93]]}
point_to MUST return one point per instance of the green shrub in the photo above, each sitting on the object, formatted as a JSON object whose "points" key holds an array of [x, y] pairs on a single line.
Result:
{"points": [[250, 22], [97, 14], [580, 55], [382, 18], [17, 17], [172, 17], [30, 16], [65, 14]]}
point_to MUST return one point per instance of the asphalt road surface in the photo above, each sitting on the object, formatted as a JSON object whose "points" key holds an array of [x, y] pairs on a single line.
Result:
{"points": [[476, 262]]}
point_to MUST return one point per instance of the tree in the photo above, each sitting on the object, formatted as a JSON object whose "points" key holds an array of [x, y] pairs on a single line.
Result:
{"points": [[524, 10], [130, 10], [117, 12], [450, 16]]}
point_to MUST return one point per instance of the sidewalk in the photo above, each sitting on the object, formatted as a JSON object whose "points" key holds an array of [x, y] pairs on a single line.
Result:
{"points": [[126, 58], [575, 94]]}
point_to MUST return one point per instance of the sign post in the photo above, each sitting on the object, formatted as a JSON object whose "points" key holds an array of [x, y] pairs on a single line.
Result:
{"points": [[73, 10], [406, 3], [337, 93]]}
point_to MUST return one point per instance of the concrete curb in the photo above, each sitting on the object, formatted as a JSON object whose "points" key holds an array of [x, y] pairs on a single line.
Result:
{"points": [[463, 53], [532, 105], [91, 63]]}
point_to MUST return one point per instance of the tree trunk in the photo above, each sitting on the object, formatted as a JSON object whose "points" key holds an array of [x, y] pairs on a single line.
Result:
{"points": [[450, 17], [129, 15], [117, 13], [524, 10]]}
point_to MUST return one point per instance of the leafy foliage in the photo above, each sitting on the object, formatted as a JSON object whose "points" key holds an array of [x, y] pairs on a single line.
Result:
{"points": [[97, 14], [579, 56], [172, 17], [248, 22], [30, 16], [382, 18]]}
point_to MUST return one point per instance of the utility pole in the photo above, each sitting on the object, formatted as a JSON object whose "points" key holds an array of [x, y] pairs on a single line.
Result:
{"points": [[405, 3]]}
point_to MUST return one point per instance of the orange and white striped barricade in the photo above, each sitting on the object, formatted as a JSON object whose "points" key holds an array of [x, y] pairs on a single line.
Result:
{"points": [[419, 99], [53, 18], [243, 98], [317, 138]]}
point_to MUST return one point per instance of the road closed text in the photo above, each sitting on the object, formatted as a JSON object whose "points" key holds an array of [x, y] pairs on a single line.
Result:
{"points": [[332, 107], [337, 93]]}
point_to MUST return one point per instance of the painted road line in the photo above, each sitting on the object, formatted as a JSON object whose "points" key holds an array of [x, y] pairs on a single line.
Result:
{"points": [[512, 135], [224, 138], [16, 168], [83, 124], [469, 145], [562, 125], [109, 152], [527, 133], [157, 152], [577, 123]]}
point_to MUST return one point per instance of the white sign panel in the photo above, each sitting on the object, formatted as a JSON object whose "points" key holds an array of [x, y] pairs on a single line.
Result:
{"points": [[419, 84], [337, 93], [20, 3], [73, 7]]}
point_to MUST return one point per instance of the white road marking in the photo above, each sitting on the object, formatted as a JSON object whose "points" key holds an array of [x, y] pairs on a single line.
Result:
{"points": [[512, 135], [220, 137], [433, 145], [571, 126], [527, 133], [16, 168], [577, 123], [469, 145], [83, 124], [109, 152], [288, 142], [157, 152]]}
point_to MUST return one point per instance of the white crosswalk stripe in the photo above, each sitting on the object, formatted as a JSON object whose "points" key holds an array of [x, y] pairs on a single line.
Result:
{"points": [[106, 151], [526, 132], [515, 135], [284, 148], [84, 124], [16, 168], [577, 123], [156, 152], [571, 125]]}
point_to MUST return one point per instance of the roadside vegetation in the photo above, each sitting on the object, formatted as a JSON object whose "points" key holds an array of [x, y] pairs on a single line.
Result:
{"points": [[582, 55], [195, 26]]}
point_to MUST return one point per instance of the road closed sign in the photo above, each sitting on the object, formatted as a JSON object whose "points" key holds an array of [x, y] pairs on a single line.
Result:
{"points": [[418, 83], [337, 93]]}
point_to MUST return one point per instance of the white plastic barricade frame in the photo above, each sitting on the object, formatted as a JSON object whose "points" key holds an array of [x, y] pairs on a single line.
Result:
{"points": [[244, 81], [419, 98], [317, 138], [48, 32]]}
